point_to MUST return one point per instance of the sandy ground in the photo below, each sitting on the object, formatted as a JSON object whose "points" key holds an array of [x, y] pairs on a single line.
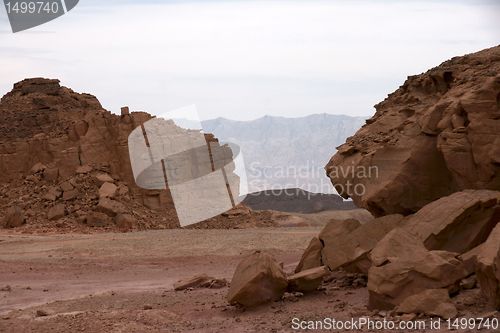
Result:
{"points": [[122, 282]]}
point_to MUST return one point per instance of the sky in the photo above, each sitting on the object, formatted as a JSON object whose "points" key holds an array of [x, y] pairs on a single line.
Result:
{"points": [[243, 59]]}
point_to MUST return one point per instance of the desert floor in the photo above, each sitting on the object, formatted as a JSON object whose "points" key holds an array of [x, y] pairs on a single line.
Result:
{"points": [[123, 282]]}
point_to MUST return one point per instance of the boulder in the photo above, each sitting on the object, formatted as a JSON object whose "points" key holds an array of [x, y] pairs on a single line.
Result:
{"points": [[402, 266], [107, 190], [110, 207], [458, 222], [53, 193], [307, 280], [349, 248], [488, 268], [38, 167], [97, 219], [431, 302], [200, 281], [258, 279], [125, 221], [56, 212], [437, 134], [14, 217], [311, 257], [104, 178], [83, 169]]}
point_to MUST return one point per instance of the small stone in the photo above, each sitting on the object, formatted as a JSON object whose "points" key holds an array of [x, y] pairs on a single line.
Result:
{"points": [[41, 313], [38, 167], [104, 177], [83, 169], [56, 212], [107, 190], [14, 217]]}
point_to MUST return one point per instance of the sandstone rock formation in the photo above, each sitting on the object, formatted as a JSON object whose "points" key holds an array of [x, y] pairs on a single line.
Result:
{"points": [[432, 302], [311, 257], [258, 279], [307, 280], [488, 268], [402, 267], [348, 247], [437, 134], [458, 222]]}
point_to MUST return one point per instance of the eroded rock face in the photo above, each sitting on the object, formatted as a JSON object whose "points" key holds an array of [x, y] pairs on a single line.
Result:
{"points": [[307, 280], [402, 267], [437, 134], [458, 222], [347, 245], [431, 302], [258, 279], [488, 268], [13, 218], [311, 257]]}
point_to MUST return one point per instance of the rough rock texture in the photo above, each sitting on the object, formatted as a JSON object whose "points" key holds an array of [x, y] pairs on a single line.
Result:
{"points": [[488, 268], [402, 266], [437, 134], [200, 281], [307, 280], [14, 217], [458, 222], [59, 147], [432, 302], [258, 279], [311, 257], [348, 247]]}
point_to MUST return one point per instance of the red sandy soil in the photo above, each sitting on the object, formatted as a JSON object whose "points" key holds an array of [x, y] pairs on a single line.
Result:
{"points": [[123, 282]]}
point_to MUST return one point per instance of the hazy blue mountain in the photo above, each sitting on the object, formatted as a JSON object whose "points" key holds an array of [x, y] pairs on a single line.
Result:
{"points": [[284, 152]]}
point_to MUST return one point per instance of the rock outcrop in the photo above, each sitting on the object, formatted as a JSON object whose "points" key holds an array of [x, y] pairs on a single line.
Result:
{"points": [[258, 279], [437, 134], [488, 268]]}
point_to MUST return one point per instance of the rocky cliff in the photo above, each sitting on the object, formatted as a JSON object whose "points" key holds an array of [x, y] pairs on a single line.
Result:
{"points": [[437, 134]]}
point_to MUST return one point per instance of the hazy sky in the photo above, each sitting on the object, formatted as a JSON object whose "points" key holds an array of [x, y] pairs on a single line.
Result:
{"points": [[243, 59]]}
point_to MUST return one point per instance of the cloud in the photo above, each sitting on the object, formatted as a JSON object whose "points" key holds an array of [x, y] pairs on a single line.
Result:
{"points": [[243, 59]]}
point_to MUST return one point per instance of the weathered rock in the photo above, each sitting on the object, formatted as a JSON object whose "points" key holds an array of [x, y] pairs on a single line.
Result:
{"points": [[200, 281], [125, 221], [488, 268], [350, 249], [97, 219], [458, 222], [402, 266], [311, 257], [56, 212], [39, 167], [307, 280], [104, 178], [110, 207], [108, 190], [468, 283], [258, 279], [432, 302], [53, 194], [437, 134], [83, 169], [13, 218], [70, 195]]}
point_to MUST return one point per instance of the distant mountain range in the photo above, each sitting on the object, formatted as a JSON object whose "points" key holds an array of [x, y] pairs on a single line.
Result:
{"points": [[284, 152]]}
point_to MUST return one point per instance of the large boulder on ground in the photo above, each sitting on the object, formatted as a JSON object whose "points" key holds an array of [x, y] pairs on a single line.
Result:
{"points": [[311, 257], [349, 249], [307, 280], [402, 266], [13, 218], [258, 279], [431, 302], [458, 222], [488, 268], [437, 134]]}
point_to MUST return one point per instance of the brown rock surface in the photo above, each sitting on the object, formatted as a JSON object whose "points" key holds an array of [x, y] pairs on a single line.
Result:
{"points": [[56, 212], [13, 218], [200, 281], [258, 279], [311, 257], [458, 222], [437, 134], [349, 247], [432, 302], [402, 267], [488, 268], [307, 280]]}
